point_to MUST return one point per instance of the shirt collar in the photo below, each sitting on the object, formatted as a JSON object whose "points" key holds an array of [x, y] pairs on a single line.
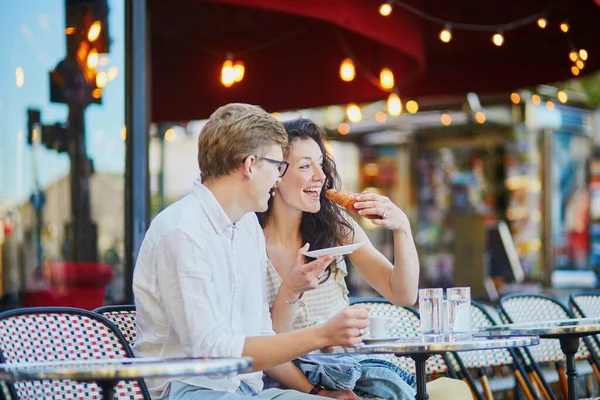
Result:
{"points": [[215, 213]]}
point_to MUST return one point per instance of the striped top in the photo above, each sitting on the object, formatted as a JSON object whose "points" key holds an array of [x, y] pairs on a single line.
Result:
{"points": [[316, 305]]}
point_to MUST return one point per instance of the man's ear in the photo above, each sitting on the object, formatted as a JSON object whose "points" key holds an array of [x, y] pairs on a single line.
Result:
{"points": [[247, 166]]}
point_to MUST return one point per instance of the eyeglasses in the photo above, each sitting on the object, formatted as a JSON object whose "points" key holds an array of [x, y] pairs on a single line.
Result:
{"points": [[282, 166]]}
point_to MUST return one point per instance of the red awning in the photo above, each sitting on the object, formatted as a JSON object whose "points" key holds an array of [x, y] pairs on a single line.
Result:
{"points": [[292, 51]]}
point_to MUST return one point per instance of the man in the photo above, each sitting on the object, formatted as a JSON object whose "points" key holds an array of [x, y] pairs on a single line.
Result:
{"points": [[199, 277]]}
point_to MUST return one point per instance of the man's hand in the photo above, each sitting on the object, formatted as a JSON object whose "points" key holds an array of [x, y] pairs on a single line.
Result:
{"points": [[339, 394], [304, 277], [347, 327]]}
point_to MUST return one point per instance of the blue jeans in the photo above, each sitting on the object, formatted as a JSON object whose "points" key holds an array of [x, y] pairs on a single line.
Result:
{"points": [[368, 376], [183, 391]]}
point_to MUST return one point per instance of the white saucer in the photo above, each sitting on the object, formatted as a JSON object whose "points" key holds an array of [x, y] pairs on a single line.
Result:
{"points": [[380, 340], [334, 251]]}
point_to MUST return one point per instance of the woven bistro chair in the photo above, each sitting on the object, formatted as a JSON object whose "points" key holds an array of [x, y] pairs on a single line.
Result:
{"points": [[407, 324], [63, 334], [534, 307], [123, 316], [496, 361]]}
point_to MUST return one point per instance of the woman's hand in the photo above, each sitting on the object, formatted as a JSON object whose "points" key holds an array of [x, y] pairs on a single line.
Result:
{"points": [[339, 394], [391, 216], [304, 277]]}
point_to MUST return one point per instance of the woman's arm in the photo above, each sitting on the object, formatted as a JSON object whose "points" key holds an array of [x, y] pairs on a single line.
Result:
{"points": [[398, 282], [300, 278]]}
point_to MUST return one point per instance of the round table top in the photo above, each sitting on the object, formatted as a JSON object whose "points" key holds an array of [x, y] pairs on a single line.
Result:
{"points": [[417, 345], [122, 369], [554, 328]]}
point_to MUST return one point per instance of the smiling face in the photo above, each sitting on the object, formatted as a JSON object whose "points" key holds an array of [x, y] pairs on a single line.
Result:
{"points": [[301, 186]]}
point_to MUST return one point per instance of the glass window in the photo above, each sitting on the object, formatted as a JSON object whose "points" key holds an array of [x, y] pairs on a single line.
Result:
{"points": [[62, 215]]}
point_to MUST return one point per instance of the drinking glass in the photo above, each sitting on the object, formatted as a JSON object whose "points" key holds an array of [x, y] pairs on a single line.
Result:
{"points": [[430, 310], [459, 312]]}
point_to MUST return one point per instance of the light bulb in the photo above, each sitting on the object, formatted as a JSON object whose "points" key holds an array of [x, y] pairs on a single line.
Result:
{"points": [[498, 39], [344, 128], [550, 105], [380, 117], [446, 34], [386, 79], [573, 55], [412, 106], [92, 58], [347, 70], [238, 71], [94, 31], [535, 99], [574, 70], [446, 119], [562, 96], [385, 9], [580, 64], [101, 79], [583, 54], [227, 74], [353, 113], [394, 105], [564, 26], [480, 117], [515, 98], [542, 22]]}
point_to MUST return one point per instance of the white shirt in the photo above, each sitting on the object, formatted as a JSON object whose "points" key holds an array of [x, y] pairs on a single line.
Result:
{"points": [[199, 287]]}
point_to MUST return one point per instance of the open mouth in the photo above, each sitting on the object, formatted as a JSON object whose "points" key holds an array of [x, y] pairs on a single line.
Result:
{"points": [[313, 192]]}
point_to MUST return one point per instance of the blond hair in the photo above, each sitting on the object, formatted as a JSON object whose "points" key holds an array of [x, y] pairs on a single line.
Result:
{"points": [[234, 132]]}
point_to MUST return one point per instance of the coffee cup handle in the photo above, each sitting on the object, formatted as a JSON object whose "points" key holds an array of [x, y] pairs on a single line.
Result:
{"points": [[391, 324]]}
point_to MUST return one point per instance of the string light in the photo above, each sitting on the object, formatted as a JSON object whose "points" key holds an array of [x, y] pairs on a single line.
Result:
{"points": [[574, 70], [580, 64], [562, 96], [347, 70], [353, 113], [101, 79], [446, 119], [542, 22], [380, 117], [564, 26], [535, 99], [94, 31], [446, 34], [385, 9], [573, 55], [394, 105], [344, 128], [238, 71], [583, 54], [92, 59], [412, 106], [550, 105], [515, 98], [386, 79], [227, 74], [498, 39], [480, 117]]}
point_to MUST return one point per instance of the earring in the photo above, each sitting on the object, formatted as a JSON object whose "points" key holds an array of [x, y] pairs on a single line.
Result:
{"points": [[272, 192]]}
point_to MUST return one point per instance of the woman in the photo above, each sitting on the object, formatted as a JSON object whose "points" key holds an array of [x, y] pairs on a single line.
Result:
{"points": [[300, 214]]}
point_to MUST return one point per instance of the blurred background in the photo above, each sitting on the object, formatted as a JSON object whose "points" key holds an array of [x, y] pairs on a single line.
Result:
{"points": [[479, 119]]}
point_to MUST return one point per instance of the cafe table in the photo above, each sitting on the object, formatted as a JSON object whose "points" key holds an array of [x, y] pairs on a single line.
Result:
{"points": [[419, 350], [567, 331], [107, 373]]}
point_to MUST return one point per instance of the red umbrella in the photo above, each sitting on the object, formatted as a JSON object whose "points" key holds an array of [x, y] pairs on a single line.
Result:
{"points": [[292, 50]]}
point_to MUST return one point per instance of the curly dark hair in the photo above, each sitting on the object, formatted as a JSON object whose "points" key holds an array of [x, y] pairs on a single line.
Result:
{"points": [[327, 227]]}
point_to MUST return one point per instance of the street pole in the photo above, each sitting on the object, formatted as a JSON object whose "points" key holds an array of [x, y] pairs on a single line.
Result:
{"points": [[82, 234]]}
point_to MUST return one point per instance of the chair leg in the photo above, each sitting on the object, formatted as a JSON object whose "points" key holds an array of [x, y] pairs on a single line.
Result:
{"points": [[485, 386], [562, 377], [523, 384], [534, 377]]}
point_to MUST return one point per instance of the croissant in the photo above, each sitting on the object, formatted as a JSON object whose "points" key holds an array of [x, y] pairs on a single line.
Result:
{"points": [[346, 200]]}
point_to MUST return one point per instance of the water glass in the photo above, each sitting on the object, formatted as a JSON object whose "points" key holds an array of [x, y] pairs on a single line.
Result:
{"points": [[430, 309], [459, 312]]}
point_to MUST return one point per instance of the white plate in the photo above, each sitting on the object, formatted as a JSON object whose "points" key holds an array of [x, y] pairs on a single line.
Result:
{"points": [[334, 251]]}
